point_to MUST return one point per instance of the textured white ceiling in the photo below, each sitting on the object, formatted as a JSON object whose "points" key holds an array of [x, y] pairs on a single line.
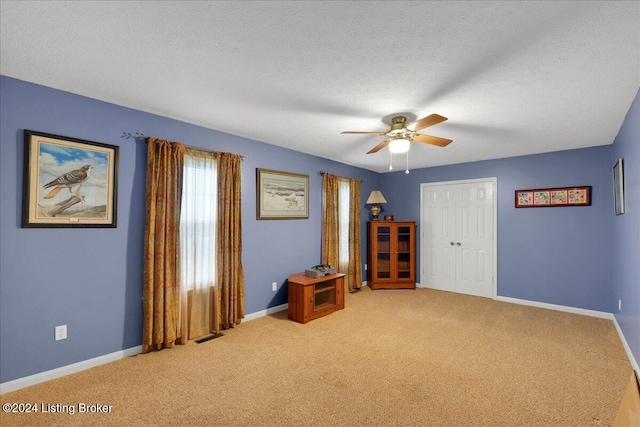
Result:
{"points": [[513, 78]]}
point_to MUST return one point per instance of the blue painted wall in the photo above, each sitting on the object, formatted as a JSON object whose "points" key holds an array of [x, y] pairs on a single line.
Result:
{"points": [[551, 255], [626, 232], [90, 279]]}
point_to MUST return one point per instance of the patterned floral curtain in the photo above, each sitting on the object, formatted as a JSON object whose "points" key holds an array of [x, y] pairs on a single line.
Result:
{"points": [[331, 226], [230, 274], [161, 292], [354, 272], [330, 220]]}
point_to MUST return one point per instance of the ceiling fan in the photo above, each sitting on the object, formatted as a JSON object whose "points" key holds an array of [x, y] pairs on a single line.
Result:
{"points": [[401, 134]]}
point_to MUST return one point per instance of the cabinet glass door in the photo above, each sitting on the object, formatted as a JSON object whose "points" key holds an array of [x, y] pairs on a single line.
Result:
{"points": [[403, 253], [383, 264]]}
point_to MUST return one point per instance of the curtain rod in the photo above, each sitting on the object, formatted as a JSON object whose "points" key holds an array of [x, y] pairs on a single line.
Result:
{"points": [[138, 135], [323, 172]]}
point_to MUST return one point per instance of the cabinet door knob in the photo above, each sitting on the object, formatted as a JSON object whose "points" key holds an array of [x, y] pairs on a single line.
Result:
{"points": [[458, 243], [452, 243]]}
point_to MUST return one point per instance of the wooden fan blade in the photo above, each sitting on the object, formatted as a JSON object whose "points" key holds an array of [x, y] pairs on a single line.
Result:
{"points": [[362, 132], [379, 146], [425, 122], [433, 140]]}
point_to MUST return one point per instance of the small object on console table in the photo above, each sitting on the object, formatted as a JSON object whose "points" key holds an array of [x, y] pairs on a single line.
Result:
{"points": [[319, 271], [310, 298]]}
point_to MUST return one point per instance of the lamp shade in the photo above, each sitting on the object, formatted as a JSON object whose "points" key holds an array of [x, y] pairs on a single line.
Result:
{"points": [[399, 145], [376, 197]]}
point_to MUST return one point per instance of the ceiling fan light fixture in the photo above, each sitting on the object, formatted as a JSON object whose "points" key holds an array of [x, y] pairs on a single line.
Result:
{"points": [[400, 145], [400, 135]]}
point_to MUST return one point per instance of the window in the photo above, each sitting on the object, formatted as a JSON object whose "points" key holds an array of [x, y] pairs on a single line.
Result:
{"points": [[343, 209], [198, 214]]}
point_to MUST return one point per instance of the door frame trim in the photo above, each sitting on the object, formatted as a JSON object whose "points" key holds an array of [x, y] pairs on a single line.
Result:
{"points": [[494, 186]]}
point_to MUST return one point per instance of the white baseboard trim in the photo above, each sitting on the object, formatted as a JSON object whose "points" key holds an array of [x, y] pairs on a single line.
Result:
{"points": [[19, 383], [634, 363], [14, 385], [574, 310], [266, 312]]}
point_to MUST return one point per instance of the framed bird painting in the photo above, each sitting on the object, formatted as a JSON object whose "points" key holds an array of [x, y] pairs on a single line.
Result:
{"points": [[68, 182]]}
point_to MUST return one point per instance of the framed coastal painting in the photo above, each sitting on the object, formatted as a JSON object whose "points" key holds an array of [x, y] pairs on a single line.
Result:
{"points": [[68, 182], [281, 195], [618, 187], [553, 197]]}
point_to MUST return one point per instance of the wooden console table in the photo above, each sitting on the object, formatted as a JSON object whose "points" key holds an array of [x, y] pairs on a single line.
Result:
{"points": [[310, 298]]}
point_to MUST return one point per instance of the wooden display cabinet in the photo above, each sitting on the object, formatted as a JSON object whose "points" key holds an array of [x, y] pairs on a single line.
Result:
{"points": [[310, 298], [391, 254]]}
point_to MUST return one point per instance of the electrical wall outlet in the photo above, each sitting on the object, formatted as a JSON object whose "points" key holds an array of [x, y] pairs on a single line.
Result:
{"points": [[274, 286], [61, 332]]}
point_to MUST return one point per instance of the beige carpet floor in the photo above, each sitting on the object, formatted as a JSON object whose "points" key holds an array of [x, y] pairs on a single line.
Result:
{"points": [[390, 358]]}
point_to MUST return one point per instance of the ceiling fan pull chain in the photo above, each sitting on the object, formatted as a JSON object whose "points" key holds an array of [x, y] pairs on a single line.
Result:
{"points": [[407, 171]]}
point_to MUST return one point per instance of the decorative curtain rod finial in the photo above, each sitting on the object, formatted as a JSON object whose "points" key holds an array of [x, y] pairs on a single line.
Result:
{"points": [[129, 135]]}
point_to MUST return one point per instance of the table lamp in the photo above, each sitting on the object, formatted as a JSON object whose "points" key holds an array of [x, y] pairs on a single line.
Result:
{"points": [[375, 199]]}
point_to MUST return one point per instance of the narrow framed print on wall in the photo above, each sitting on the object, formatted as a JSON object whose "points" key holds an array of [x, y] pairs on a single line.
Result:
{"points": [[68, 182], [618, 187], [554, 197]]}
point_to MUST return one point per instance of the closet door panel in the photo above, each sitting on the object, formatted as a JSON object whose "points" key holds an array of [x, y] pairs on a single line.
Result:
{"points": [[474, 240], [440, 238]]}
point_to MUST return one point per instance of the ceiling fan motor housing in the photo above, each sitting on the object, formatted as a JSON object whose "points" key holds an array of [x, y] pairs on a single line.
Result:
{"points": [[398, 128]]}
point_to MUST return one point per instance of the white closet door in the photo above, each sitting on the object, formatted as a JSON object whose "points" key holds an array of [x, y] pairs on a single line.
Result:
{"points": [[439, 235], [474, 239], [458, 237]]}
